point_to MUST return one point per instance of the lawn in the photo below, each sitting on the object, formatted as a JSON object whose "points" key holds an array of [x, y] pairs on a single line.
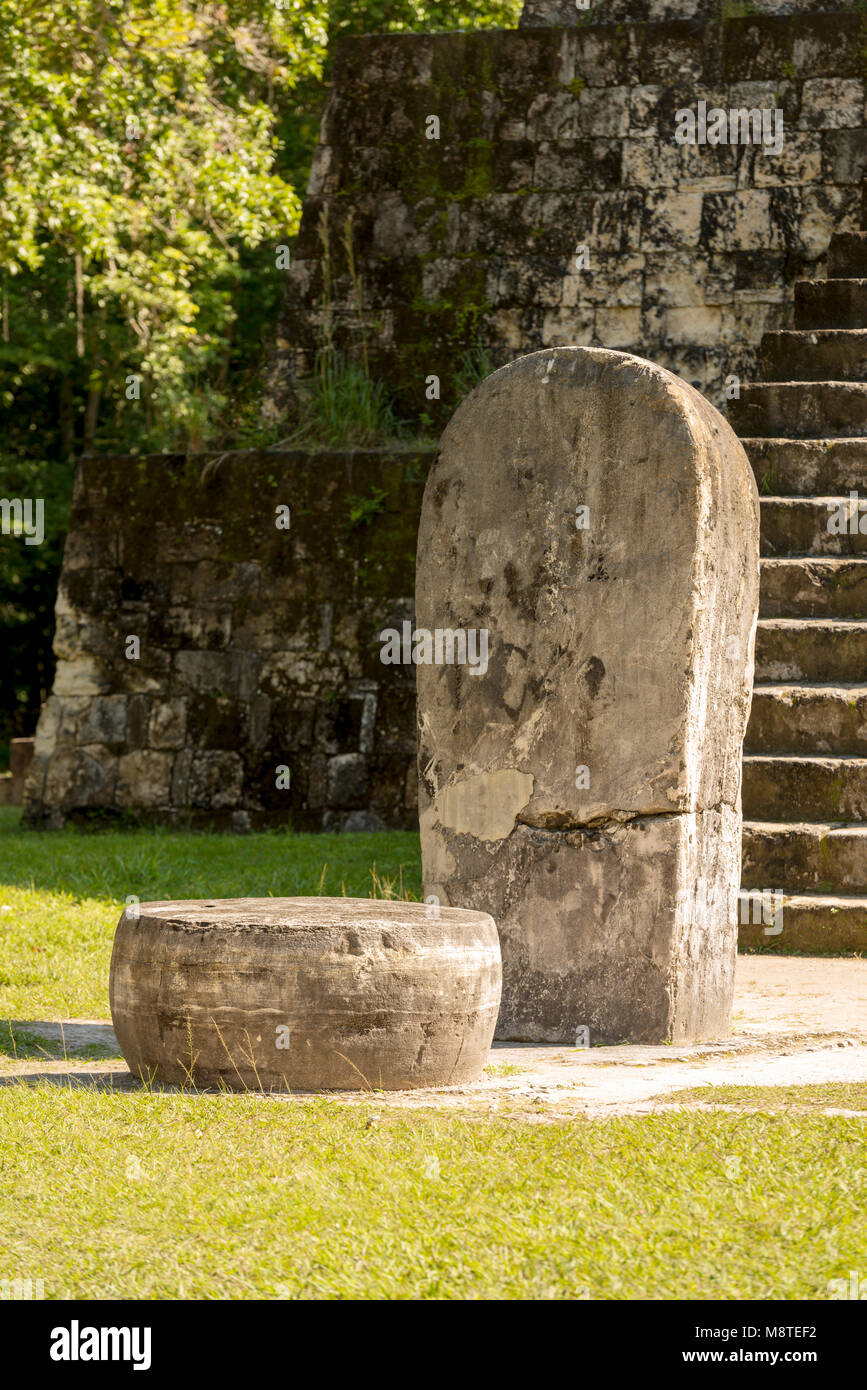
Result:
{"points": [[61, 894], [825, 1095], [148, 1196], [145, 1195]]}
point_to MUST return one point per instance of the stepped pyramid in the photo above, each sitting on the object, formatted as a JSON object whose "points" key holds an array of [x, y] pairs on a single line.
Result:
{"points": [[804, 429]]}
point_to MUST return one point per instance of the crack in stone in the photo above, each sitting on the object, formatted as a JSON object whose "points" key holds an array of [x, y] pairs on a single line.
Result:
{"points": [[604, 824]]}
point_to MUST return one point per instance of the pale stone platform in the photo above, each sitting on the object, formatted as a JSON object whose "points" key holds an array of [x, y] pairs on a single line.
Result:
{"points": [[798, 1020]]}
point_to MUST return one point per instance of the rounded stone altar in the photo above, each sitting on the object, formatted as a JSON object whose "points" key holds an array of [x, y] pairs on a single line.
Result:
{"points": [[305, 994]]}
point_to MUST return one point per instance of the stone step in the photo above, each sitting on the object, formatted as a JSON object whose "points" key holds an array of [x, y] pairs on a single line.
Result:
{"points": [[822, 354], [800, 409], [847, 256], [830, 304], [811, 650], [805, 857], [813, 526], [813, 588], [808, 467], [805, 433], [813, 923], [788, 788], [808, 720]]}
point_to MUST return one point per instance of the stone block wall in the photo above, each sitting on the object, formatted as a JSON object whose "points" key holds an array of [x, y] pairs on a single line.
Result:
{"points": [[256, 646], [553, 138], [537, 13]]}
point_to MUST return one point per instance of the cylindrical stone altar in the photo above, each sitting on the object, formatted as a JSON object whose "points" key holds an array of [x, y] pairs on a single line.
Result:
{"points": [[305, 993], [590, 527]]}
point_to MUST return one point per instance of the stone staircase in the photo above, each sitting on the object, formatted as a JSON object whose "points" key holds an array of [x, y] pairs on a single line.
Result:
{"points": [[804, 429]]}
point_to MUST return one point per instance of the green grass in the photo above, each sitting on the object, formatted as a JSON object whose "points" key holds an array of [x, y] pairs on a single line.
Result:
{"points": [[343, 407], [21, 1044], [62, 893], [838, 1095], [141, 1196]]}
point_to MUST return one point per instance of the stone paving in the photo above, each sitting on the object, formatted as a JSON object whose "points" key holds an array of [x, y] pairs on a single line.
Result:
{"points": [[798, 1020]]}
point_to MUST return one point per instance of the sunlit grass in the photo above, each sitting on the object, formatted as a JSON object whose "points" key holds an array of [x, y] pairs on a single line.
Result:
{"points": [[62, 893], [836, 1095], [140, 1196]]}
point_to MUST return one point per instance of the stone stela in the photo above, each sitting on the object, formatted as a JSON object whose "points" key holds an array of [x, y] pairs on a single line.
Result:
{"points": [[581, 789]]}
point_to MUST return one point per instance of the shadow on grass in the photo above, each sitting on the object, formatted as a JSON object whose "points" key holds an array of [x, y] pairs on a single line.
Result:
{"points": [[25, 1038], [78, 1080], [155, 863]]}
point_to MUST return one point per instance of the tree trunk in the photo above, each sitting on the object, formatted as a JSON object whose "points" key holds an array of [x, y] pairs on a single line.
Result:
{"points": [[79, 305], [91, 415], [67, 418]]}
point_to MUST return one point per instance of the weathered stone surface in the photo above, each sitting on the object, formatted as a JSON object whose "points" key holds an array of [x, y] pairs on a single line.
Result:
{"points": [[806, 858], [554, 138], [539, 13], [258, 645], [305, 993], [805, 769], [144, 779], [582, 785], [20, 758]]}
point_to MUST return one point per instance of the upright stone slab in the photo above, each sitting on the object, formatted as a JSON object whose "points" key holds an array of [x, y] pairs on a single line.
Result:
{"points": [[599, 518]]}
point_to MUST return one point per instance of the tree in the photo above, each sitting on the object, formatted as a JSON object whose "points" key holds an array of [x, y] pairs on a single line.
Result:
{"points": [[137, 158]]}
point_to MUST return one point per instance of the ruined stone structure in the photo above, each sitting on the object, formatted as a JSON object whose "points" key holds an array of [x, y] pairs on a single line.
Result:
{"points": [[257, 645], [553, 139], [599, 520], [572, 13], [549, 138]]}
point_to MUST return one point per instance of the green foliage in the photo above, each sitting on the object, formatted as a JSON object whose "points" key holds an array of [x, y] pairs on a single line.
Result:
{"points": [[474, 367], [151, 153], [343, 407], [245, 1196], [842, 1095], [427, 16], [150, 156], [138, 157], [364, 509]]}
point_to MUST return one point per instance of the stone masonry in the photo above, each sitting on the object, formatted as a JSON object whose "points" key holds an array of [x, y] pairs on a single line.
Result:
{"points": [[257, 646], [805, 764], [553, 139], [574, 13], [699, 258]]}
